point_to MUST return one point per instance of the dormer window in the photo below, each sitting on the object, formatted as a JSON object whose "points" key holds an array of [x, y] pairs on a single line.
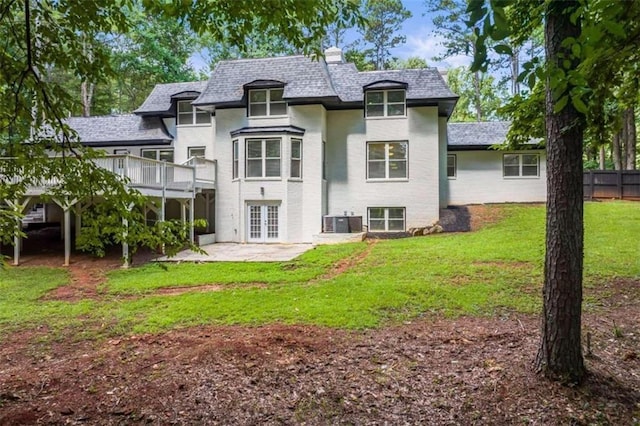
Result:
{"points": [[385, 103], [266, 102], [189, 115]]}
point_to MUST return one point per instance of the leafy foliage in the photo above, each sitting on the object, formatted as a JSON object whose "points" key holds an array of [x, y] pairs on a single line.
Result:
{"points": [[492, 94]]}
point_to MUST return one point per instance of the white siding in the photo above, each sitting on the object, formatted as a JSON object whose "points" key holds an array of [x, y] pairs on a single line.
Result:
{"points": [[348, 187], [300, 200], [193, 136], [479, 180]]}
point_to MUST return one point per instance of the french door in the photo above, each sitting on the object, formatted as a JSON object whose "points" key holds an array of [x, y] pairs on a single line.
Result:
{"points": [[263, 223]]}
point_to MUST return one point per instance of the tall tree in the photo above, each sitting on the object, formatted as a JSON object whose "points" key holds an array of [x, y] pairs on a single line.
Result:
{"points": [[384, 19], [586, 44], [492, 94], [411, 63]]}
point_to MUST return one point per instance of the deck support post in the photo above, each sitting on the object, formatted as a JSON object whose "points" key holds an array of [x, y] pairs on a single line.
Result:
{"points": [[19, 208], [66, 206], [191, 218], [126, 256]]}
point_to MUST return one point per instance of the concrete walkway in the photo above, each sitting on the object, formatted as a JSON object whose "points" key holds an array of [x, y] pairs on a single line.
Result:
{"points": [[233, 252]]}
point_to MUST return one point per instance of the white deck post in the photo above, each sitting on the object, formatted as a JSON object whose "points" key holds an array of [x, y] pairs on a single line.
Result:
{"points": [[67, 236], [18, 207], [125, 244], [191, 217]]}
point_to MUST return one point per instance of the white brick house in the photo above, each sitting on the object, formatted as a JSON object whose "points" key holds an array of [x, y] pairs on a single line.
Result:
{"points": [[295, 140]]}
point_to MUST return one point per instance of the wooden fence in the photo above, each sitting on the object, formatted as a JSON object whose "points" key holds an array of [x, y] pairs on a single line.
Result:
{"points": [[619, 184]]}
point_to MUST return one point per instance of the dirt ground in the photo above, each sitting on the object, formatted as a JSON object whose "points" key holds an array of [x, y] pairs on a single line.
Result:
{"points": [[427, 371]]}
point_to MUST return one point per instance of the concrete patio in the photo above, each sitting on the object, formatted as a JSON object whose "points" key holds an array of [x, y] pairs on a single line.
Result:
{"points": [[234, 252]]}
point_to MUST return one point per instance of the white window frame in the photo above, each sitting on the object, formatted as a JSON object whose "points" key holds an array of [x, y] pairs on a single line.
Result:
{"points": [[521, 166], [158, 152], [268, 102], [454, 159], [193, 113], [386, 219], [263, 158], [235, 158], [193, 148], [296, 162], [387, 161], [385, 103]]}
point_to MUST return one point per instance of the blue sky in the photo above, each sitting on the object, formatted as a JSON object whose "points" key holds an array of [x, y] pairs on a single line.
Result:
{"points": [[421, 40]]}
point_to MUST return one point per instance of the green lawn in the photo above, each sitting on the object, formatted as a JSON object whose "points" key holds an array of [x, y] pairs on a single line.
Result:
{"points": [[497, 269]]}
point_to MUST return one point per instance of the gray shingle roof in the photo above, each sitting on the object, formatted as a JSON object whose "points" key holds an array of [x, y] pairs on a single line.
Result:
{"points": [[421, 84], [127, 129], [159, 100], [477, 134], [302, 78]]}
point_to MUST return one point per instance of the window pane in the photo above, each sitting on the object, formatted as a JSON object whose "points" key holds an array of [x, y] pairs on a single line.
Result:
{"points": [[397, 169], [511, 160], [397, 151], [530, 170], [375, 110], [185, 118], [276, 94], [150, 154], [376, 170], [376, 213], [273, 168], [396, 225], [257, 110], [254, 168], [279, 108], [375, 98], [258, 96], [166, 156], [396, 213], [196, 152], [203, 117], [395, 110], [530, 159], [184, 107], [377, 151], [272, 148], [376, 225], [254, 149], [296, 168], [395, 96], [295, 149], [511, 171]]}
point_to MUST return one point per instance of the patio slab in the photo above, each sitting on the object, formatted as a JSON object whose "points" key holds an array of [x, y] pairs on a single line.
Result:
{"points": [[234, 252]]}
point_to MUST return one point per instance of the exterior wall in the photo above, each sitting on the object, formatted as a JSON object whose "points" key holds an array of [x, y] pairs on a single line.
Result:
{"points": [[195, 135], [300, 200], [479, 179], [350, 191], [442, 149]]}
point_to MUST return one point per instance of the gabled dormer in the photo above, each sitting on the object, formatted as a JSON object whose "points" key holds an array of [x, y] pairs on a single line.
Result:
{"points": [[186, 113], [385, 98], [265, 98]]}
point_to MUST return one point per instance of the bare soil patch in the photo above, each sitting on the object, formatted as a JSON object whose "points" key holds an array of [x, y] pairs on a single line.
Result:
{"points": [[428, 371]]}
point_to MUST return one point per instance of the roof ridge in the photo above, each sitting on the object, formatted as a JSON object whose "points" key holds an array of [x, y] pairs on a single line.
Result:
{"points": [[235, 60]]}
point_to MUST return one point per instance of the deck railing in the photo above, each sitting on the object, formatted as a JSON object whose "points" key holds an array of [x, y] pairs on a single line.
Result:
{"points": [[152, 174]]}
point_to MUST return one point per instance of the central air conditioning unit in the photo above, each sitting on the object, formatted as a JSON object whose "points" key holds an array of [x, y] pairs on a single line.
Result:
{"points": [[342, 224]]}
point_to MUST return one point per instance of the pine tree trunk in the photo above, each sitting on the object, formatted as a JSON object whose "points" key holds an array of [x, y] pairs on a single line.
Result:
{"points": [[603, 157], [560, 351], [477, 98], [616, 151], [630, 139], [86, 90]]}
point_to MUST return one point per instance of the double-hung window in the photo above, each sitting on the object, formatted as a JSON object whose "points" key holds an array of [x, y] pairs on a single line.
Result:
{"points": [[385, 103], [451, 165], [296, 158], [236, 159], [188, 114], [386, 219], [521, 165], [196, 151], [387, 160], [266, 102], [263, 158]]}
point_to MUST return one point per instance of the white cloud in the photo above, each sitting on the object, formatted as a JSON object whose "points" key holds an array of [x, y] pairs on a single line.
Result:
{"points": [[426, 45]]}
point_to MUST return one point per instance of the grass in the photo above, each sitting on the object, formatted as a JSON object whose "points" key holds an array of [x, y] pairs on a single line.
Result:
{"points": [[488, 272]]}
